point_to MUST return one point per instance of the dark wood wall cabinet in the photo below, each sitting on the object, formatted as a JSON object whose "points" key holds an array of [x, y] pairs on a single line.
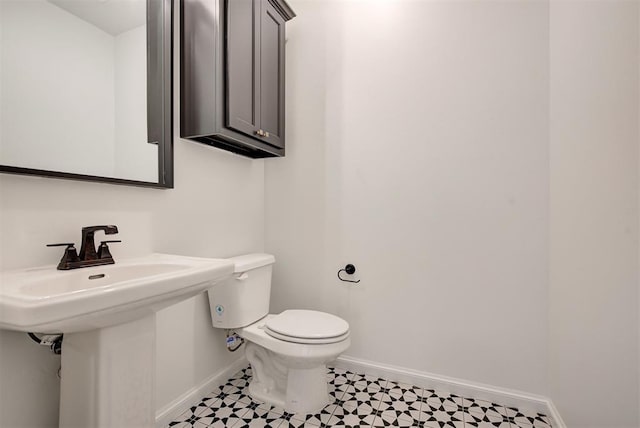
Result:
{"points": [[232, 74]]}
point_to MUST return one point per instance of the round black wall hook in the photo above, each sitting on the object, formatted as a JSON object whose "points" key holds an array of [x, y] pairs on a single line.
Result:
{"points": [[350, 270]]}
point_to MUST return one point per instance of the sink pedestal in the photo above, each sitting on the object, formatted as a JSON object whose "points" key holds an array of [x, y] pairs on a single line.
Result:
{"points": [[108, 376]]}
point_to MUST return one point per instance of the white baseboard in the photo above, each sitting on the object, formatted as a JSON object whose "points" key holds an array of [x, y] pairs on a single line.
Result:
{"points": [[553, 413], [464, 388], [171, 411]]}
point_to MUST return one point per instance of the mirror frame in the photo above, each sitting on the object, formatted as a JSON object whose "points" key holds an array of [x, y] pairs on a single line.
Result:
{"points": [[159, 103]]}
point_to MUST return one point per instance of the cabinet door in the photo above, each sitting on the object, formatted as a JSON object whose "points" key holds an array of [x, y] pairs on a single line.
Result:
{"points": [[243, 65], [272, 38]]}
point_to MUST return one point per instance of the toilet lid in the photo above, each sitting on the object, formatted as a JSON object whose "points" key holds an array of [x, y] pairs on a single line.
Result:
{"points": [[307, 325]]}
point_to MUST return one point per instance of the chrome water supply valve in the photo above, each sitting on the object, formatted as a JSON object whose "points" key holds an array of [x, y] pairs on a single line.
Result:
{"points": [[234, 341]]}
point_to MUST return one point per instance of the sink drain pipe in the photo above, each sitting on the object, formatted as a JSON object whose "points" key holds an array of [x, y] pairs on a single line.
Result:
{"points": [[53, 341]]}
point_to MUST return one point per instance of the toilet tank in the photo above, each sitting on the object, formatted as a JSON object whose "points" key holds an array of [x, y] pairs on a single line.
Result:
{"points": [[243, 298]]}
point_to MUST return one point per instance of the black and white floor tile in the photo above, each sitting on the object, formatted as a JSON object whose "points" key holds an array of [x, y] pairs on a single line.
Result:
{"points": [[358, 401]]}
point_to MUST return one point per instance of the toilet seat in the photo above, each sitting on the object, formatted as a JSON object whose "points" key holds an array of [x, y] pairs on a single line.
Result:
{"points": [[308, 327], [306, 341]]}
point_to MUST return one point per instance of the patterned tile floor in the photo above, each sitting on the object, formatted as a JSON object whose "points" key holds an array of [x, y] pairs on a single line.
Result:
{"points": [[358, 401]]}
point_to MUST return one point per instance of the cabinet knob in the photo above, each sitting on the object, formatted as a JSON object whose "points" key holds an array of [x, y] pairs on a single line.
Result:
{"points": [[260, 132], [266, 134]]}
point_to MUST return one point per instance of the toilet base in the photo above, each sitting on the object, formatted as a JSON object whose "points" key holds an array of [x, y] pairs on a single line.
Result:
{"points": [[297, 390], [307, 390]]}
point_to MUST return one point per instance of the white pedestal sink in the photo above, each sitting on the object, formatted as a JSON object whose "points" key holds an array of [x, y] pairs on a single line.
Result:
{"points": [[107, 315]]}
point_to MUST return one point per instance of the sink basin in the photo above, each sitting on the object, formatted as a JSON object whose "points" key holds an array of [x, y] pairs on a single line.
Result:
{"points": [[45, 300]]}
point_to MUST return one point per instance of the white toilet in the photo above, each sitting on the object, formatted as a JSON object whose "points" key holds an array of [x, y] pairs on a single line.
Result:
{"points": [[288, 352]]}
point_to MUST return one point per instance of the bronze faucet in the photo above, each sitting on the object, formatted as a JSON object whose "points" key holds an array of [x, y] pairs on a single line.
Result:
{"points": [[88, 255]]}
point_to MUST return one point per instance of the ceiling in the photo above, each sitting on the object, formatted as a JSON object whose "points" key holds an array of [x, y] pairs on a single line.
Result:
{"points": [[111, 16]]}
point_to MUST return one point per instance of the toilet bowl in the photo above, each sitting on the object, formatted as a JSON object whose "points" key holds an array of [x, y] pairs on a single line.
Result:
{"points": [[288, 352]]}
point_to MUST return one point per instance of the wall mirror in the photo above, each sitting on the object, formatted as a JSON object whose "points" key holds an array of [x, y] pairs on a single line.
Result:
{"points": [[86, 90]]}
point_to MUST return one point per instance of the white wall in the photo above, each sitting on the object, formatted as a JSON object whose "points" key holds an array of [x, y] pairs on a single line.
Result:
{"points": [[417, 136], [57, 89], [478, 162], [593, 294]]}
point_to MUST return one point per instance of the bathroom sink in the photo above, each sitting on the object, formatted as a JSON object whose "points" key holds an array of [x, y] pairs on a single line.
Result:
{"points": [[108, 317], [46, 300]]}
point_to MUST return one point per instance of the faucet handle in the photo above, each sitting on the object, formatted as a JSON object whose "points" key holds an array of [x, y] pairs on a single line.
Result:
{"points": [[103, 250], [70, 255]]}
